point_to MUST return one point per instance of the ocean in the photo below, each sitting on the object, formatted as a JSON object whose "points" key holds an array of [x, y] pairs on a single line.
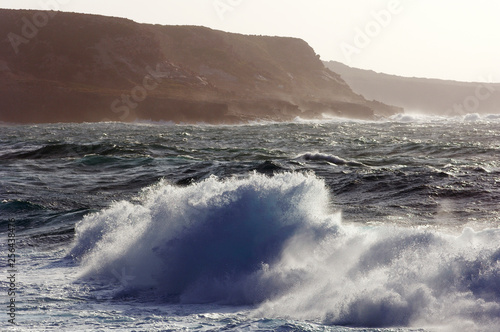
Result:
{"points": [[332, 225]]}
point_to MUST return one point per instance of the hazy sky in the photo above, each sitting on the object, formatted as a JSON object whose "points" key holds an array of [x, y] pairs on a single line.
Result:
{"points": [[450, 39]]}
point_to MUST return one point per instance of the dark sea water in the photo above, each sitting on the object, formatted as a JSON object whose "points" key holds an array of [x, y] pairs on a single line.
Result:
{"points": [[307, 226]]}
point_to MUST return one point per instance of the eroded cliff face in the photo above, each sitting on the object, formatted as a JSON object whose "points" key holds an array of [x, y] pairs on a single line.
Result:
{"points": [[66, 67]]}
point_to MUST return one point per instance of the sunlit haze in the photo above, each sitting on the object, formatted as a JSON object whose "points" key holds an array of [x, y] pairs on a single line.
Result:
{"points": [[446, 39], [230, 165]]}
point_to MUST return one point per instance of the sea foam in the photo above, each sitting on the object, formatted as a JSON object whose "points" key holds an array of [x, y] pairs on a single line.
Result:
{"points": [[274, 242], [209, 242]]}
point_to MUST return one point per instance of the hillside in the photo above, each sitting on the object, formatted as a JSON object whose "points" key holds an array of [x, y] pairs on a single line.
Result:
{"points": [[422, 95], [67, 67]]}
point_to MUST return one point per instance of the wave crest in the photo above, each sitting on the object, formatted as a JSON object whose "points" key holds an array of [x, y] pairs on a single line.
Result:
{"points": [[272, 241], [329, 158], [210, 241]]}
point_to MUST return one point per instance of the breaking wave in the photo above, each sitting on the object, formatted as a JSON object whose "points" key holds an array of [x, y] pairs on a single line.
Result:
{"points": [[274, 242], [329, 158], [421, 117]]}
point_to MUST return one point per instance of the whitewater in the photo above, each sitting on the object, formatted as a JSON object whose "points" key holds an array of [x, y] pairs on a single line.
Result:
{"points": [[333, 225]]}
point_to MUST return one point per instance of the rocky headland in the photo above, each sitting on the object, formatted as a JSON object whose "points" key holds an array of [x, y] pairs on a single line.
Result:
{"points": [[68, 67]]}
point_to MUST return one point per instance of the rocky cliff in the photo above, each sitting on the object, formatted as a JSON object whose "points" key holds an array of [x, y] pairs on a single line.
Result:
{"points": [[431, 96], [67, 67]]}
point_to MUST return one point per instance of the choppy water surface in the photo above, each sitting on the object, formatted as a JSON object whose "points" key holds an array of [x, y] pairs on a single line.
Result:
{"points": [[312, 225]]}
